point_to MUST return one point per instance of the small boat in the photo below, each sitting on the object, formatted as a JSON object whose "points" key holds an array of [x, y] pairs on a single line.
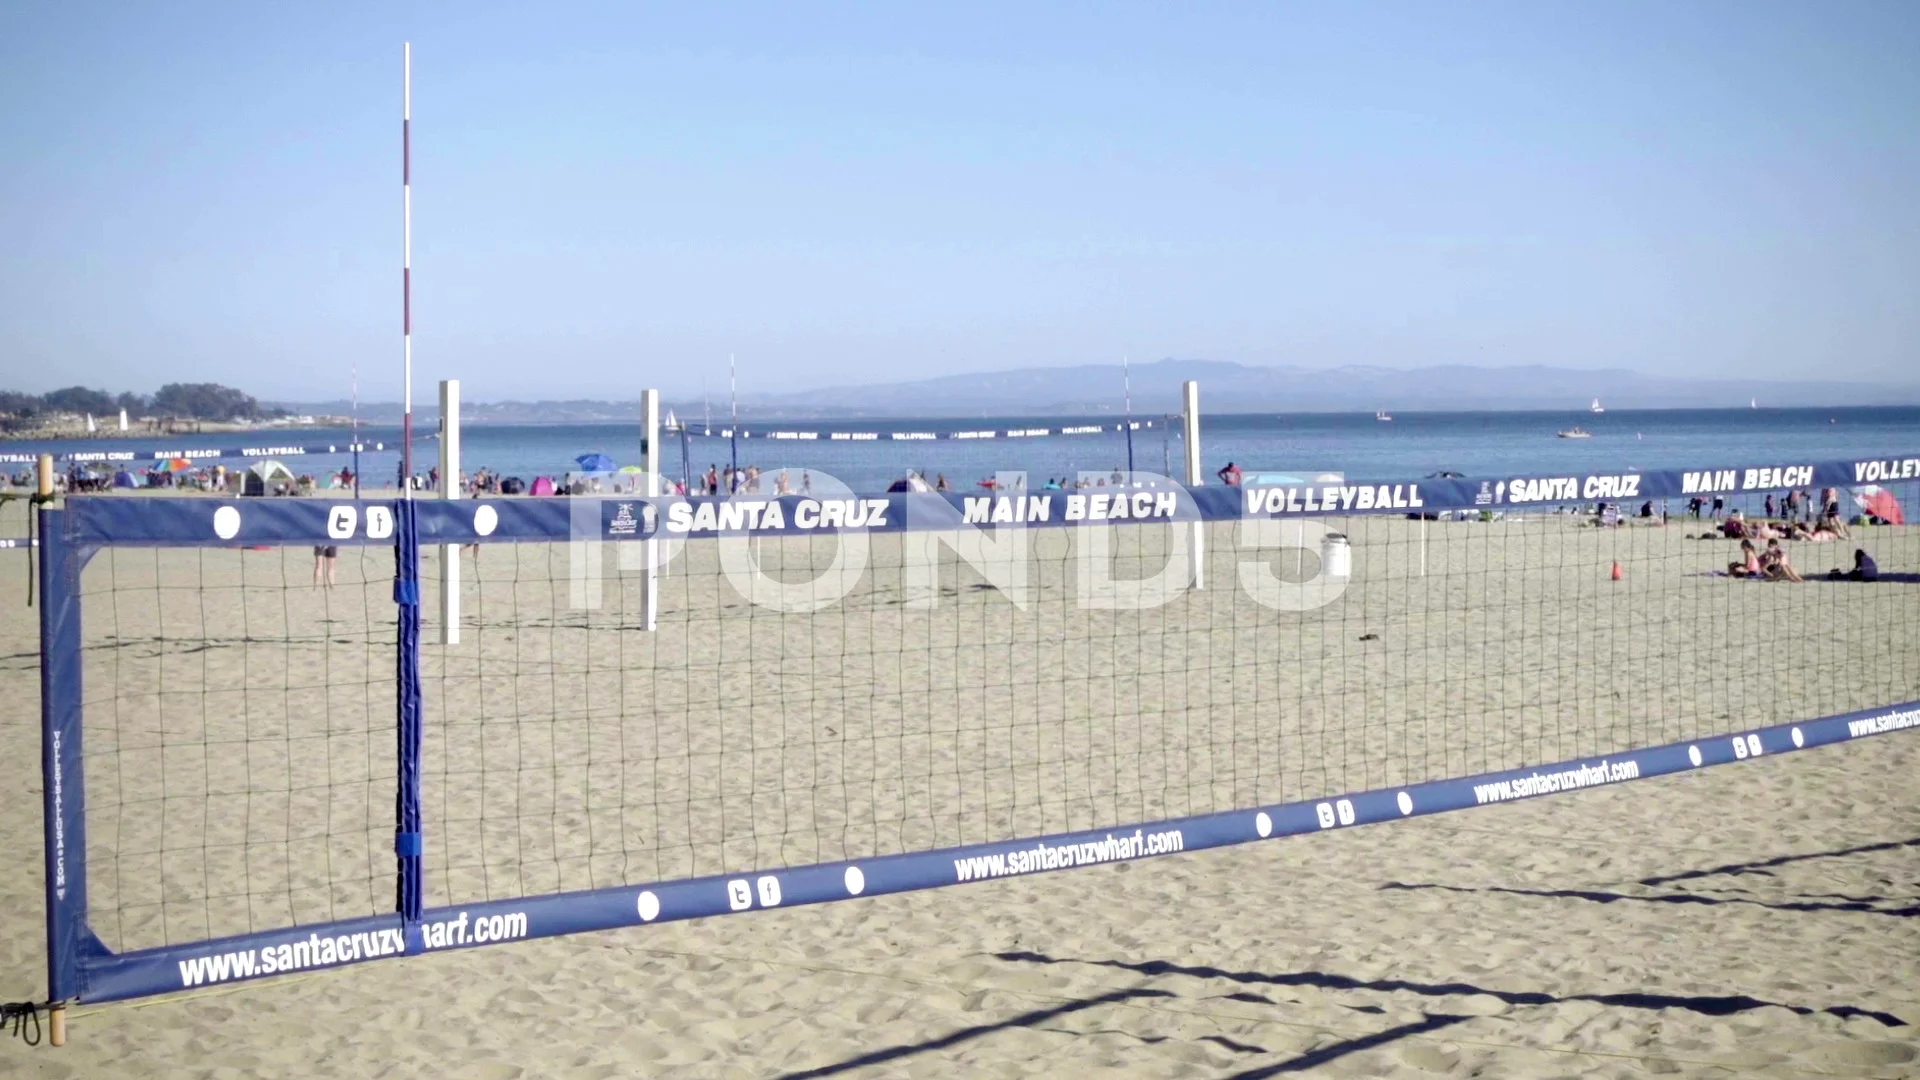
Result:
{"points": [[1575, 433], [1753, 403], [1382, 415], [1596, 406]]}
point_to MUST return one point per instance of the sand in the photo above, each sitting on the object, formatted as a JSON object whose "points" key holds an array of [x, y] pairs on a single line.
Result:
{"points": [[1750, 920]]}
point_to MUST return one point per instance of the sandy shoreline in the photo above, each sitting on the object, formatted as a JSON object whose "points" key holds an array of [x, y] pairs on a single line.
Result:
{"points": [[568, 752]]}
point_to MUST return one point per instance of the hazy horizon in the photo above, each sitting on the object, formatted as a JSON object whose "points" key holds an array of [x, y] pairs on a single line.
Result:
{"points": [[612, 197]]}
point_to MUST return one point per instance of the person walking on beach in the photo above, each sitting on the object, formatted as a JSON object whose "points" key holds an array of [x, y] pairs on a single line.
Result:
{"points": [[1719, 506], [1230, 475], [324, 561]]}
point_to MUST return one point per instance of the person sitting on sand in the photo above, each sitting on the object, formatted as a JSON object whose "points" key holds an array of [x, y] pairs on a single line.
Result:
{"points": [[1864, 568], [1735, 527], [1748, 564], [1797, 531], [1776, 566]]}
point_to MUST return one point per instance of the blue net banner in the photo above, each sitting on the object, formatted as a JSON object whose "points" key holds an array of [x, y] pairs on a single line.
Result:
{"points": [[103, 976], [187, 522], [710, 432], [194, 453]]}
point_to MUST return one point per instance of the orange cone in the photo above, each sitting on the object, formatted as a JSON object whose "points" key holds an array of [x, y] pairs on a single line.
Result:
{"points": [[1617, 572]]}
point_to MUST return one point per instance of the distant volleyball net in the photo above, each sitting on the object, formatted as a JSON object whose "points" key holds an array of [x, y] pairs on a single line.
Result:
{"points": [[261, 759]]}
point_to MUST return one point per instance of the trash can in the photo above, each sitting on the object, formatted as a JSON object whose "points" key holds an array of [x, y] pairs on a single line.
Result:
{"points": [[1336, 556]]}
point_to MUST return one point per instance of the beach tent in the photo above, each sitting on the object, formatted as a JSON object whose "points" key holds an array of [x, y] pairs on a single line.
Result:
{"points": [[262, 475], [123, 479], [542, 485], [592, 463], [910, 482], [1880, 503]]}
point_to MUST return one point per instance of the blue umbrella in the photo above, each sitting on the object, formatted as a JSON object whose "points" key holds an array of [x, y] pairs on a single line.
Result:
{"points": [[595, 463]]}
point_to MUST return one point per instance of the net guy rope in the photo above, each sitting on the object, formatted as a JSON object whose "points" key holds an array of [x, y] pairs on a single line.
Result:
{"points": [[255, 768]]}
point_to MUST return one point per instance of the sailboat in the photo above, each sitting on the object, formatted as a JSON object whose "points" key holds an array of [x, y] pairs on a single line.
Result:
{"points": [[1753, 403], [672, 423], [1596, 406], [123, 419], [90, 428]]}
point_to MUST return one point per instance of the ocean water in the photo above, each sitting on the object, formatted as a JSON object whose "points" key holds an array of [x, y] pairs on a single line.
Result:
{"points": [[1491, 444]]}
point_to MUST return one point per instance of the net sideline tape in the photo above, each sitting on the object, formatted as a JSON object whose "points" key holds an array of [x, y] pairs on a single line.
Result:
{"points": [[125, 520], [107, 977]]}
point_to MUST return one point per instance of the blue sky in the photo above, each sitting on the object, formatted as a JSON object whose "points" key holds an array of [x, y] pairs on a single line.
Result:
{"points": [[616, 196]]}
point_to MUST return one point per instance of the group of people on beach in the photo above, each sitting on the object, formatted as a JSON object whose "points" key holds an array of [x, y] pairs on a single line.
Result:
{"points": [[1772, 564], [1795, 505], [1829, 527], [747, 481]]}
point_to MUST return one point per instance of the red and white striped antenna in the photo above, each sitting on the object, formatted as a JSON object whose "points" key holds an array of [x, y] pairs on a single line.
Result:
{"points": [[406, 272]]}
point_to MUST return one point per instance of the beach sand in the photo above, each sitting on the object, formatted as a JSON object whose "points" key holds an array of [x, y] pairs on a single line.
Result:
{"points": [[1750, 920]]}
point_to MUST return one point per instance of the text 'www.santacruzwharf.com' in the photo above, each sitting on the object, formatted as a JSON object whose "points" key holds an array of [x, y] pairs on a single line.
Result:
{"points": [[321, 950]]}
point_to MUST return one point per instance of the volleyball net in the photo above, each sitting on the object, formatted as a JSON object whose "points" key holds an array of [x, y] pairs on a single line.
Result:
{"points": [[262, 757]]}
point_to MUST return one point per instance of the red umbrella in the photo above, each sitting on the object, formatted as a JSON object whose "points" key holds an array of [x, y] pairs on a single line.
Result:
{"points": [[1880, 503]]}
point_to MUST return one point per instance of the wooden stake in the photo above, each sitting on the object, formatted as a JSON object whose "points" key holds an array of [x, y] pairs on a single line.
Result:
{"points": [[57, 1024]]}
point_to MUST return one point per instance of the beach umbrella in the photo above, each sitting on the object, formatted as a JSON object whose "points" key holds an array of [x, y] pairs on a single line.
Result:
{"points": [[631, 469], [1880, 503], [178, 464], [595, 463]]}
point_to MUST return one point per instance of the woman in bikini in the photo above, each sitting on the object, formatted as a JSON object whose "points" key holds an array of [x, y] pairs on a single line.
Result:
{"points": [[1748, 564]]}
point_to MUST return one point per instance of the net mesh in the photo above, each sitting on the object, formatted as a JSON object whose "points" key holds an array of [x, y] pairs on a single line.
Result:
{"points": [[239, 720], [239, 739]]}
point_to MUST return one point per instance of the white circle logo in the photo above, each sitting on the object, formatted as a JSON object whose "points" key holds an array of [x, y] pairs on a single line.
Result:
{"points": [[1693, 755], [856, 881], [1799, 740], [1263, 823], [485, 520], [649, 907], [226, 523], [1406, 803]]}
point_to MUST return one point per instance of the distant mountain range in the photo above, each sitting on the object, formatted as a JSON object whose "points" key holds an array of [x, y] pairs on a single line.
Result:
{"points": [[1225, 387]]}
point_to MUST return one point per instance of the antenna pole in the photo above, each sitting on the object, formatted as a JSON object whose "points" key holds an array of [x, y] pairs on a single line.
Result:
{"points": [[1126, 379], [406, 274], [733, 391], [353, 378]]}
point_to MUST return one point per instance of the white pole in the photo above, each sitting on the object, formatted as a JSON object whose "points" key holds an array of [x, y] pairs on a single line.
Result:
{"points": [[450, 489], [1190, 416], [650, 553], [406, 272]]}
